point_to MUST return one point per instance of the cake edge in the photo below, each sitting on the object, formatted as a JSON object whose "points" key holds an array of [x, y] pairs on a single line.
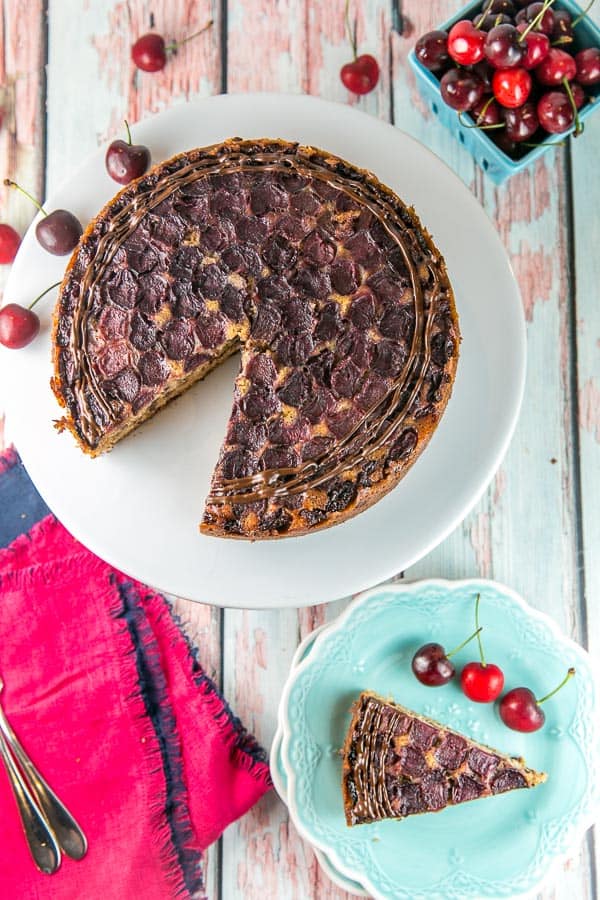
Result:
{"points": [[532, 777]]}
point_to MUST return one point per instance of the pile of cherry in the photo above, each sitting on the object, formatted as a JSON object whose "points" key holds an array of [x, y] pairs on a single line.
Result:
{"points": [[516, 69], [483, 682]]}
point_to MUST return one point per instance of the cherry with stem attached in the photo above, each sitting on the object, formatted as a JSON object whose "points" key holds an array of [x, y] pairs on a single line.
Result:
{"points": [[481, 681], [520, 710], [19, 324], [362, 74], [149, 53], [59, 231], [126, 161], [432, 666]]}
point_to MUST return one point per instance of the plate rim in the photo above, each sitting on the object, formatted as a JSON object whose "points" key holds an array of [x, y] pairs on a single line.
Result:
{"points": [[588, 820], [84, 530], [336, 877]]}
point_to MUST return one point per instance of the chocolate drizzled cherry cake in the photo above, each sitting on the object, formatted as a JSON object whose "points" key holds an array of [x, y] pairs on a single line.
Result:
{"points": [[397, 763], [336, 296]]}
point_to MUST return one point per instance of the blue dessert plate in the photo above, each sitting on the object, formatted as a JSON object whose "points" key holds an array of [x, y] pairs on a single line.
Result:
{"points": [[503, 846]]}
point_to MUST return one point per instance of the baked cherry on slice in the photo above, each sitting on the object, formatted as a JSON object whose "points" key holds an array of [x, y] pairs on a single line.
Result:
{"points": [[126, 161], [520, 710], [481, 681], [59, 231]]}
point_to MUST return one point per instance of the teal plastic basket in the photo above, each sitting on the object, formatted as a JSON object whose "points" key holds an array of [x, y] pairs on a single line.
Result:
{"points": [[491, 158]]}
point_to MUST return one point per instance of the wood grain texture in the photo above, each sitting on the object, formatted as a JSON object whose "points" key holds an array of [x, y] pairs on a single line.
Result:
{"points": [[22, 123], [537, 526]]}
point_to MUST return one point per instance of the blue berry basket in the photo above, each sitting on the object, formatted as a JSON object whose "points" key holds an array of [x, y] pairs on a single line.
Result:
{"points": [[491, 158]]}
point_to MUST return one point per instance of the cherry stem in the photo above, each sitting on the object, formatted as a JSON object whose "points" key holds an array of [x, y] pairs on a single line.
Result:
{"points": [[481, 656], [43, 294], [177, 44], [567, 677], [349, 31], [582, 15], [481, 127], [484, 13], [128, 132], [537, 20], [9, 183], [464, 643], [578, 125]]}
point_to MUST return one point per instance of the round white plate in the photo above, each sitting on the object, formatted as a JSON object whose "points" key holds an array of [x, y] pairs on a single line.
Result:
{"points": [[138, 507]]}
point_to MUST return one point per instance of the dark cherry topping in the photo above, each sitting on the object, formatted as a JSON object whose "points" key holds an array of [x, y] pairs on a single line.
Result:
{"points": [[318, 273]]}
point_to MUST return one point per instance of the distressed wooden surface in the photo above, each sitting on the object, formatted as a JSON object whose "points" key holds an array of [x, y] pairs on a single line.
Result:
{"points": [[537, 527]]}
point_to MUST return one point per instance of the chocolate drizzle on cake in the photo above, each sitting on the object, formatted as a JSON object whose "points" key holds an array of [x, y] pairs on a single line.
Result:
{"points": [[367, 327], [397, 764]]}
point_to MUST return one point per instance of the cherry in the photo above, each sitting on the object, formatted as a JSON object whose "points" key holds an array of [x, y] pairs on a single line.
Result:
{"points": [[562, 32], [461, 89], [432, 666], [19, 324], [484, 71], [503, 47], [361, 75], [588, 66], [481, 681], [511, 86], [557, 65], [535, 14], [520, 710], [10, 241], [521, 123], [59, 231], [465, 43], [126, 161], [578, 94], [507, 7], [537, 48], [486, 21], [555, 112], [486, 113], [504, 142], [432, 50], [149, 53]]}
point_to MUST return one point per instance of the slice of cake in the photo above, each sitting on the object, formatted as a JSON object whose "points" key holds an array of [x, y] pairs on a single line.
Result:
{"points": [[397, 763]]}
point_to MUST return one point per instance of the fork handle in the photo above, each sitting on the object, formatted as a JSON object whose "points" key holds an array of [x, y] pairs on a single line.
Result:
{"points": [[42, 844], [68, 833]]}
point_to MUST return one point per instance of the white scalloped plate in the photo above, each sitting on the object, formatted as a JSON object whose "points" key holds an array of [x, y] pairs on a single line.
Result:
{"points": [[503, 846], [138, 507]]}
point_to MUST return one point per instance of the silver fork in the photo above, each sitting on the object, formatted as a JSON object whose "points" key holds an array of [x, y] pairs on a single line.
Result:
{"points": [[68, 834]]}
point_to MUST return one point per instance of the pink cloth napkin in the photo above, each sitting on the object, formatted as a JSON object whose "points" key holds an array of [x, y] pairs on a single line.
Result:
{"points": [[113, 706]]}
